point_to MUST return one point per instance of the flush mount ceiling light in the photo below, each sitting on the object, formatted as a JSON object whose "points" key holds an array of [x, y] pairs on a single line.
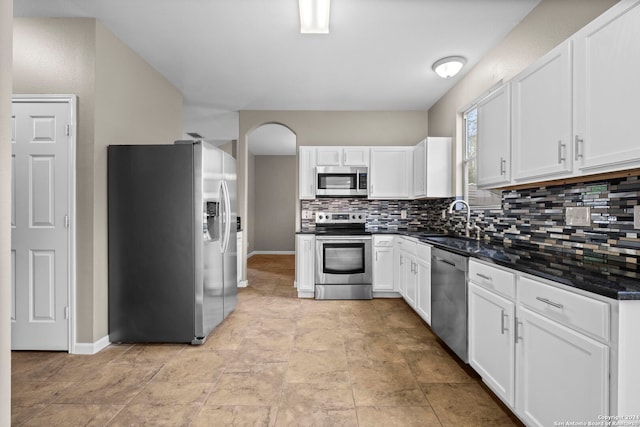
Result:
{"points": [[449, 66], [314, 16]]}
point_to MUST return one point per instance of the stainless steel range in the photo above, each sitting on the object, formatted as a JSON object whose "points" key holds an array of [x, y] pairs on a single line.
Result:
{"points": [[343, 256]]}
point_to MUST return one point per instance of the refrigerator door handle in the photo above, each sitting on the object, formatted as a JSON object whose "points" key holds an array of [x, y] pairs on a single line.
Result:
{"points": [[226, 215]]}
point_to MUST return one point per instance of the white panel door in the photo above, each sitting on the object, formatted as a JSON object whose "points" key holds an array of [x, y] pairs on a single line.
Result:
{"points": [[390, 173], [307, 172], [560, 375], [494, 138], [40, 234], [542, 134], [491, 341], [607, 89]]}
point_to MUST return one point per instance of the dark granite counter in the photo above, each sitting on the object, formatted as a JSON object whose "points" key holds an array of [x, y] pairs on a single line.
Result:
{"points": [[602, 276], [598, 275]]}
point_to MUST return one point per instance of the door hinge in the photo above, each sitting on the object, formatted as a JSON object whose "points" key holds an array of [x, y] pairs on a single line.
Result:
{"points": [[66, 313], [68, 130], [66, 221]]}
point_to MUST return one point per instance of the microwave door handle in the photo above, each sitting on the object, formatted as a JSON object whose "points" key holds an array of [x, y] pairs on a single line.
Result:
{"points": [[357, 180]]}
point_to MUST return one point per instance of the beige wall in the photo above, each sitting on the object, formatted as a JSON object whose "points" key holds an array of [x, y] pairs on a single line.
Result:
{"points": [[6, 35], [548, 24], [45, 60], [275, 201], [121, 99], [327, 128]]}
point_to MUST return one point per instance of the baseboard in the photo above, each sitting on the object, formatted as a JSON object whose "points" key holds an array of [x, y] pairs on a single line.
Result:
{"points": [[91, 348], [243, 283], [384, 294], [270, 253]]}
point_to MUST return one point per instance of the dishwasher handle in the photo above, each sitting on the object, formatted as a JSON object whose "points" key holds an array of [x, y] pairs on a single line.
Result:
{"points": [[456, 261], [452, 264]]}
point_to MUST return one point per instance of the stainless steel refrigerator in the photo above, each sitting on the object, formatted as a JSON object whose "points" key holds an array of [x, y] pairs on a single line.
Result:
{"points": [[172, 241]]}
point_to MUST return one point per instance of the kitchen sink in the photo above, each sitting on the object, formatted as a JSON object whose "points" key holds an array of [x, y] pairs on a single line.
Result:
{"points": [[462, 243], [466, 245]]}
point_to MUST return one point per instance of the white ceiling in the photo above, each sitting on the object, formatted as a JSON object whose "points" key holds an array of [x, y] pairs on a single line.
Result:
{"points": [[232, 55]]}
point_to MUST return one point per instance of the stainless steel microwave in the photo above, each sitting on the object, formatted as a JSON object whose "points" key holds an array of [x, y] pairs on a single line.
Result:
{"points": [[333, 181]]}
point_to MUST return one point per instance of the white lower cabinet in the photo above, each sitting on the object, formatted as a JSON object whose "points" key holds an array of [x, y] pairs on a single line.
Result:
{"points": [[561, 374], [491, 340], [531, 343], [383, 274], [408, 268], [305, 265], [413, 275], [423, 281]]}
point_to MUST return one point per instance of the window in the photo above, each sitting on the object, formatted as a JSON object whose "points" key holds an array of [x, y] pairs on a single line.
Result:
{"points": [[477, 198]]}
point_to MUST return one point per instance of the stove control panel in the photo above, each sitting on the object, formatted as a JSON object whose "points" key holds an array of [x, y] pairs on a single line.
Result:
{"points": [[341, 217]]}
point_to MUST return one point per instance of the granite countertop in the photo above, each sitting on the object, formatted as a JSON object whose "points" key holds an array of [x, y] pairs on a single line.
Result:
{"points": [[602, 276], [609, 278]]}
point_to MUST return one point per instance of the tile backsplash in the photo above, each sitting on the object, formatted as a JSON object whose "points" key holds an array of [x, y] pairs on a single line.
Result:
{"points": [[534, 216]]}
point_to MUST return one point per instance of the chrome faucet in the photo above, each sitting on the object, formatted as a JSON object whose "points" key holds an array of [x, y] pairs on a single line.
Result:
{"points": [[468, 226]]}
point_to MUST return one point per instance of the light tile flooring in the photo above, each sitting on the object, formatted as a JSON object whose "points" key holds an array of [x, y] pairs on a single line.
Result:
{"points": [[277, 360]]}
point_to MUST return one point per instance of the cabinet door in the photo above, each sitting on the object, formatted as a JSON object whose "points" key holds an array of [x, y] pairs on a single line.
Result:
{"points": [[494, 139], [561, 374], [307, 172], [491, 351], [542, 117], [439, 166], [389, 173], [423, 299], [305, 264], [607, 89], [329, 156], [398, 264], [355, 156], [383, 269], [419, 156], [409, 280]]}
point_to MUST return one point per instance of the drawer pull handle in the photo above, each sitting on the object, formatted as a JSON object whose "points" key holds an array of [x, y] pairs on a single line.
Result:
{"points": [[561, 147], [502, 322], [546, 301], [517, 331], [484, 277]]}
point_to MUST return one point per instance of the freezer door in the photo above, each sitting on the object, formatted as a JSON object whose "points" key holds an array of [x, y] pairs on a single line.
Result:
{"points": [[230, 254], [210, 304], [151, 247]]}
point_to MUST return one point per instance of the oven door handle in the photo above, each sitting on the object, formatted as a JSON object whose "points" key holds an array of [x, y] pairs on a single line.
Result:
{"points": [[338, 239]]}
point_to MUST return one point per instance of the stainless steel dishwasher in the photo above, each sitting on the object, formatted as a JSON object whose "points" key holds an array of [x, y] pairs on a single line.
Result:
{"points": [[449, 299]]}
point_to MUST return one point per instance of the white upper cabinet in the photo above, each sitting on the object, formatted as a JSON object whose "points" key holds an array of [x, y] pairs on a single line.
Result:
{"points": [[542, 134], [432, 166], [607, 89], [307, 172], [390, 172], [342, 156], [494, 138]]}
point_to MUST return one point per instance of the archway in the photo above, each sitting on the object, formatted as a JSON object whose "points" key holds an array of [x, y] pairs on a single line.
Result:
{"points": [[271, 190]]}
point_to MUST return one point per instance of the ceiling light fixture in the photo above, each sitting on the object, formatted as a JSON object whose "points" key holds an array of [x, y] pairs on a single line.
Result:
{"points": [[314, 16], [449, 66]]}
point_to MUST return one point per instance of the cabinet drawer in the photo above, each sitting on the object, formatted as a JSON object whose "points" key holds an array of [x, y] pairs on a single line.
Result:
{"points": [[492, 278], [410, 245], [382, 240], [587, 314], [424, 253]]}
